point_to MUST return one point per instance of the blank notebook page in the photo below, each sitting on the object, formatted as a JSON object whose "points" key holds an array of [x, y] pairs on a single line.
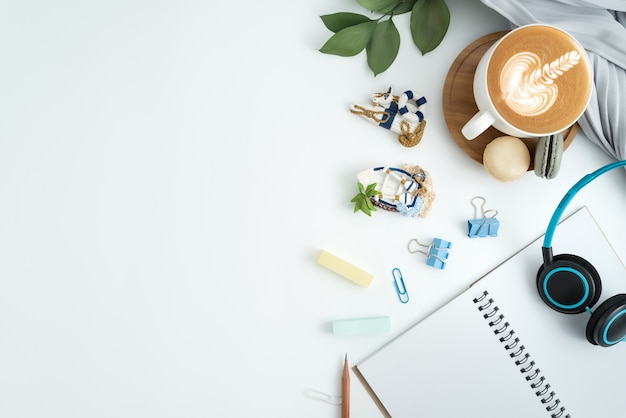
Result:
{"points": [[452, 363]]}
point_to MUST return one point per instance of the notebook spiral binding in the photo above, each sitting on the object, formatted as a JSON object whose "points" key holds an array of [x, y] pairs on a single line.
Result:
{"points": [[520, 356]]}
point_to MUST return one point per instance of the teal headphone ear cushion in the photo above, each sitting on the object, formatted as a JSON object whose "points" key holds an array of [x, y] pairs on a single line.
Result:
{"points": [[607, 324], [548, 155], [569, 284]]}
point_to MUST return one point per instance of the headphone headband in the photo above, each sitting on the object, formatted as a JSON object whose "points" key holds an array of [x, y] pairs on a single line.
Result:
{"points": [[556, 216], [570, 284]]}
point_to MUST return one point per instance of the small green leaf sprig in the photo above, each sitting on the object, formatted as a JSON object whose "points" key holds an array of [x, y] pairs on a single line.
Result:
{"points": [[362, 201], [379, 37]]}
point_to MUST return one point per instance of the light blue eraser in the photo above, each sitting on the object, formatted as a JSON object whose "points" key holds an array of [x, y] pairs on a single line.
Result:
{"points": [[358, 326]]}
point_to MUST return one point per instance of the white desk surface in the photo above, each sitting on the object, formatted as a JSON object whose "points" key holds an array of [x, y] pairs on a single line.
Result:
{"points": [[169, 172]]}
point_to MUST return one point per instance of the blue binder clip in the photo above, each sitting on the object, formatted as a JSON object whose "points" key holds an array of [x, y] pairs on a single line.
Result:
{"points": [[436, 253], [484, 223]]}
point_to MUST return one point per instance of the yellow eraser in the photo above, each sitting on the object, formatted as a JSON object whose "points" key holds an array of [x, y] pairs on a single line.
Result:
{"points": [[345, 269]]}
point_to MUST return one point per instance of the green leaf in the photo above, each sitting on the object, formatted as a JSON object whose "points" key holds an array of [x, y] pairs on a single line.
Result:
{"points": [[404, 6], [349, 41], [367, 210], [337, 21], [429, 23], [383, 48], [379, 5], [362, 201], [401, 7], [371, 190]]}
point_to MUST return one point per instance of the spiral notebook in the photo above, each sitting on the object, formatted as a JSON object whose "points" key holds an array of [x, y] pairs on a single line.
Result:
{"points": [[497, 350]]}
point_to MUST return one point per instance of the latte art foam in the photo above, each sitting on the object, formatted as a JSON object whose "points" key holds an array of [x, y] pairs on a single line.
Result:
{"points": [[528, 85], [539, 79]]}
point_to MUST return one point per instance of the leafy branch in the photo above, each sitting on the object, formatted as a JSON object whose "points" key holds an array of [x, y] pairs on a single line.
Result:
{"points": [[362, 201], [379, 37]]}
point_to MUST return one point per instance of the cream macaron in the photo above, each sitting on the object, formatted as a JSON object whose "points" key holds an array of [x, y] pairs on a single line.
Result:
{"points": [[506, 158]]}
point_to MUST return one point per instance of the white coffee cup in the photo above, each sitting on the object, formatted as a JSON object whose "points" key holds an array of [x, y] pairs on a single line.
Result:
{"points": [[540, 81]]}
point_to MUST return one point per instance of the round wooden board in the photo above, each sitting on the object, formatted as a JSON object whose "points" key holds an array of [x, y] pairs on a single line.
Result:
{"points": [[459, 105]]}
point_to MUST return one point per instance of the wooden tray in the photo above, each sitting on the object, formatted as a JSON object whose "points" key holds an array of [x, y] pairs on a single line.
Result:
{"points": [[459, 105]]}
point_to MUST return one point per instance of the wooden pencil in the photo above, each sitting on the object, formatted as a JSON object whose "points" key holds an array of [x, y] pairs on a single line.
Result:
{"points": [[345, 390]]}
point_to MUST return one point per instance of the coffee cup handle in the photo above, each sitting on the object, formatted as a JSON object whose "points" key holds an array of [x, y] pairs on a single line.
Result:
{"points": [[477, 124]]}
